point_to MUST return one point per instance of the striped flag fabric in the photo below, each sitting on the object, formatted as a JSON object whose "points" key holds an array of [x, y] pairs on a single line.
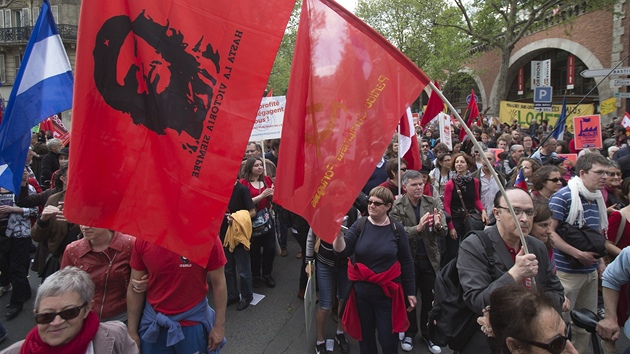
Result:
{"points": [[520, 180], [558, 131], [408, 142], [43, 87]]}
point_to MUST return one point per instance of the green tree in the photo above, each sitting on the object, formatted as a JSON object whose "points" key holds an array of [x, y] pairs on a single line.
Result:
{"points": [[410, 26], [500, 24], [281, 70]]}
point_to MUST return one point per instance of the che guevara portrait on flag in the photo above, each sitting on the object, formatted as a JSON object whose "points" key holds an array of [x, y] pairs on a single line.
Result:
{"points": [[172, 90], [166, 95]]}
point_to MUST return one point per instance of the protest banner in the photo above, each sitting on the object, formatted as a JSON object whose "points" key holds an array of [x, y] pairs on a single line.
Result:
{"points": [[568, 161], [588, 132], [524, 113], [269, 119]]}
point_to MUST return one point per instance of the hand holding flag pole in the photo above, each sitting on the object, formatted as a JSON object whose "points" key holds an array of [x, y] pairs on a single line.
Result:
{"points": [[487, 163]]}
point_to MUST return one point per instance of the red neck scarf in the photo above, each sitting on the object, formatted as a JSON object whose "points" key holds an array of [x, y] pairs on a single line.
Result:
{"points": [[34, 344]]}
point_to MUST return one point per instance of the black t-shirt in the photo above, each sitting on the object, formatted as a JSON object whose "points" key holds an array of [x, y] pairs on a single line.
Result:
{"points": [[241, 199]]}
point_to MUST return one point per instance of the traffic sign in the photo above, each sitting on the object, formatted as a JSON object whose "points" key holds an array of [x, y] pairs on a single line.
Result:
{"points": [[543, 107], [621, 82], [543, 94], [469, 97], [622, 94], [624, 70]]}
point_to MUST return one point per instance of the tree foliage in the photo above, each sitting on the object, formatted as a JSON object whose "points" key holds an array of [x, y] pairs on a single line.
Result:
{"points": [[281, 70], [410, 26]]}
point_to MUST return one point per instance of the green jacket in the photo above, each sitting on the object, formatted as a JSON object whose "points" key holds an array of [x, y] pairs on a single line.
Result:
{"points": [[402, 210]]}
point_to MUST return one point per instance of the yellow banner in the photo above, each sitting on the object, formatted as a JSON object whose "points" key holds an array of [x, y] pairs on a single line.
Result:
{"points": [[524, 113], [608, 106]]}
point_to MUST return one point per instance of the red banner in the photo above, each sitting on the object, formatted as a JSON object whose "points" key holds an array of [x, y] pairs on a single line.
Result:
{"points": [[408, 142], [434, 107], [521, 80], [348, 89], [570, 72], [472, 113], [166, 96]]}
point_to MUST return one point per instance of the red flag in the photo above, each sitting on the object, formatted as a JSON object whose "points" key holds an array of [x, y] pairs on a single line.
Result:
{"points": [[434, 107], [472, 113], [348, 89], [166, 97], [408, 142], [520, 181]]}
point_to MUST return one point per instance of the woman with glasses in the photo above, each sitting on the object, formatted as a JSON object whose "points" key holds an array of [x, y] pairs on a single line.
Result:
{"points": [[613, 196], [65, 322], [392, 175], [545, 182], [520, 320], [381, 272]]}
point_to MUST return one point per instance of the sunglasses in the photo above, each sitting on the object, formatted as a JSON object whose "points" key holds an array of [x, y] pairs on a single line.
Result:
{"points": [[46, 318], [370, 202], [554, 180], [557, 343], [404, 169]]}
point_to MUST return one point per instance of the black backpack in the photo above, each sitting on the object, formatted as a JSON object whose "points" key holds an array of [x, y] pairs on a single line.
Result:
{"points": [[451, 322]]}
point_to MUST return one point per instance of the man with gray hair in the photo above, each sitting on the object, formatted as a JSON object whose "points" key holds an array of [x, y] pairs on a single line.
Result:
{"points": [[424, 221], [489, 185], [516, 152], [50, 162]]}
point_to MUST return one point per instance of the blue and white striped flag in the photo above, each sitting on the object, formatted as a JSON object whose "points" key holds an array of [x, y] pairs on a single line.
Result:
{"points": [[43, 87], [558, 131]]}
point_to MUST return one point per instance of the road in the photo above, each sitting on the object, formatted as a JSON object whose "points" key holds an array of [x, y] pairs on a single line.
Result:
{"points": [[275, 325]]}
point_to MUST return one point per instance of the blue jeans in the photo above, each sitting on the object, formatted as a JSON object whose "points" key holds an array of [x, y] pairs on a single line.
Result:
{"points": [[327, 279], [238, 261], [196, 341]]}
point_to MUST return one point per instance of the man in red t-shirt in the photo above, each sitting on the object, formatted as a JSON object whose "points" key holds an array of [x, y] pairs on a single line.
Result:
{"points": [[177, 288]]}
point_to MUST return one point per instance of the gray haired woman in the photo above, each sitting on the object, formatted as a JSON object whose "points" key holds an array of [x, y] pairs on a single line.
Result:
{"points": [[65, 322]]}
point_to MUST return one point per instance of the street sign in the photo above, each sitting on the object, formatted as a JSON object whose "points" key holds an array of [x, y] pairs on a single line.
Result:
{"points": [[621, 82], [543, 94], [625, 70], [622, 94], [542, 107], [469, 97]]}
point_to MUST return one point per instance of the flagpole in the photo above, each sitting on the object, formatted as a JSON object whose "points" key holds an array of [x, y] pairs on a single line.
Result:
{"points": [[399, 157], [487, 163], [262, 147]]}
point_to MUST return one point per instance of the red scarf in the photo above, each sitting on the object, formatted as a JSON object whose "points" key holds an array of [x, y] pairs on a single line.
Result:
{"points": [[393, 290], [79, 344]]}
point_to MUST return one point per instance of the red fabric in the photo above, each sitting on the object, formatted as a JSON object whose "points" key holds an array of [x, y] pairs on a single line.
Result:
{"points": [[265, 202], [345, 92], [33, 343], [520, 181], [171, 122], [434, 107], [393, 290], [472, 113], [175, 285], [408, 142]]}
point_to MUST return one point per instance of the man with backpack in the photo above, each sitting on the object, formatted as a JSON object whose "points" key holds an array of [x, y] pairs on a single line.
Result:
{"points": [[424, 221], [493, 258]]}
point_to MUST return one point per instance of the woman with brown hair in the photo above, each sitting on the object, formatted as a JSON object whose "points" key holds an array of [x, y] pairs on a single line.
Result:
{"points": [[545, 182], [461, 197]]}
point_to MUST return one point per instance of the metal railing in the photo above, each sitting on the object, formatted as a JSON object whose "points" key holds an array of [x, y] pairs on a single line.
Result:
{"points": [[19, 35]]}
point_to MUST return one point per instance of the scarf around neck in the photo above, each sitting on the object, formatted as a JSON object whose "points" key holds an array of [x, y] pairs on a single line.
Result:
{"points": [[461, 180], [576, 209], [79, 344]]}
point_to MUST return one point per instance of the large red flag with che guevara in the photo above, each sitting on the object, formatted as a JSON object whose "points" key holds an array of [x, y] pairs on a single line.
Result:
{"points": [[166, 96], [348, 89]]}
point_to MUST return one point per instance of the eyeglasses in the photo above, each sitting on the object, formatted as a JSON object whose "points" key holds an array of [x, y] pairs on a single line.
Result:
{"points": [[612, 174], [557, 343], [601, 172], [519, 211], [404, 169], [425, 146], [46, 318], [554, 180], [370, 202]]}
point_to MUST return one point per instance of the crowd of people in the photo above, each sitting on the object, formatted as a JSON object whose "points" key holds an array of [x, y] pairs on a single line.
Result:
{"points": [[403, 229]]}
